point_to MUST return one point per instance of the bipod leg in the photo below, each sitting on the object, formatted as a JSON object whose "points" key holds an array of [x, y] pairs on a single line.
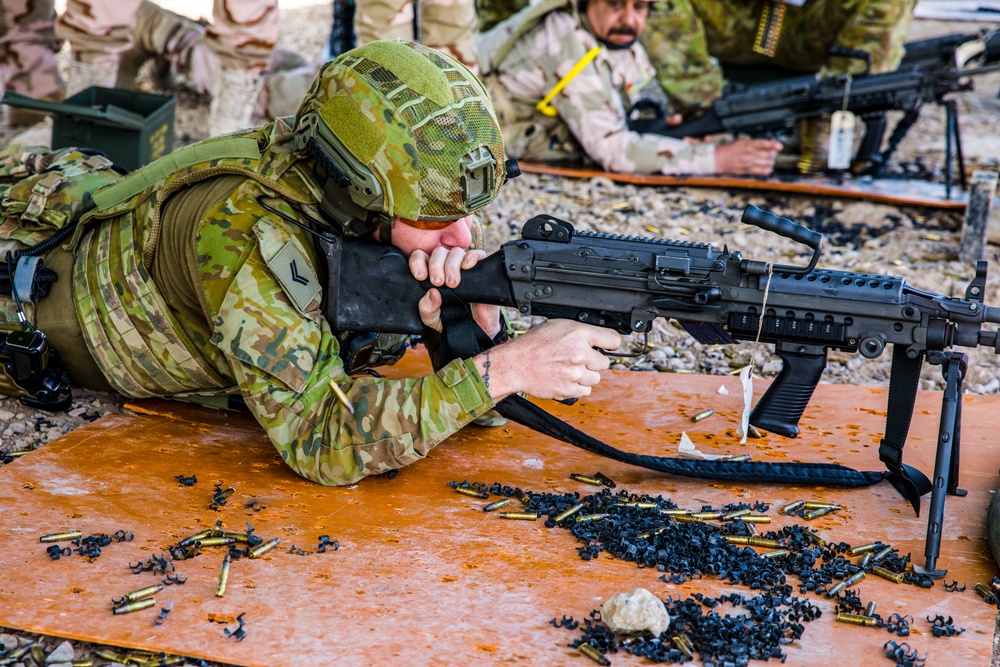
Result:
{"points": [[957, 134], [949, 107], [953, 367]]}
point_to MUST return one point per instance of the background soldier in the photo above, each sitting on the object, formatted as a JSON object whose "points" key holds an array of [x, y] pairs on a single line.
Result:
{"points": [[688, 39], [563, 79], [242, 38], [28, 48], [445, 25]]}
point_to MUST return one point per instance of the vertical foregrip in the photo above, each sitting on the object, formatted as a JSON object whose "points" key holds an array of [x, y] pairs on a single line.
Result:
{"points": [[781, 406]]}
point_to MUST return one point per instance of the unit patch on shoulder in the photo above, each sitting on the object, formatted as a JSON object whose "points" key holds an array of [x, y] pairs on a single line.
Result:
{"points": [[296, 275]]}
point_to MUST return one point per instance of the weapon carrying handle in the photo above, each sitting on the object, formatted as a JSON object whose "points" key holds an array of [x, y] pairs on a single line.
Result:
{"points": [[781, 406], [785, 227]]}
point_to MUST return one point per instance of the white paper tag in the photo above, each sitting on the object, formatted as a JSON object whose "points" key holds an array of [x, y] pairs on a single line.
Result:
{"points": [[841, 148], [746, 379]]}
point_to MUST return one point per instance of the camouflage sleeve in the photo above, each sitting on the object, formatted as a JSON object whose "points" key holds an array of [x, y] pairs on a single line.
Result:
{"points": [[594, 111], [678, 49], [263, 298], [879, 27]]}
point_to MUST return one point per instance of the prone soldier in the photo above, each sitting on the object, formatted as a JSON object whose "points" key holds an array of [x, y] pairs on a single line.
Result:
{"points": [[200, 276]]}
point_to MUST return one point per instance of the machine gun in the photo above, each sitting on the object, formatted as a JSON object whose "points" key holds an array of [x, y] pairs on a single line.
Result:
{"points": [[625, 283], [933, 70]]}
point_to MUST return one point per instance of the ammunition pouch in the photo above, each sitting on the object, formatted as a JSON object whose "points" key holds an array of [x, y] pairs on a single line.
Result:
{"points": [[44, 193]]}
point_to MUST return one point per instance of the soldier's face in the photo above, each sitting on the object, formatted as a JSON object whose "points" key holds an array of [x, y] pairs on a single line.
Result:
{"points": [[408, 238], [618, 22]]}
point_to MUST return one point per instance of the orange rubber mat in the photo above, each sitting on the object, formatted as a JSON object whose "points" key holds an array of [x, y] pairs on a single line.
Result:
{"points": [[881, 190], [423, 576]]}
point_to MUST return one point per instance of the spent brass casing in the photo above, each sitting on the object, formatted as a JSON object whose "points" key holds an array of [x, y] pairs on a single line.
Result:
{"points": [[61, 537], [264, 548], [850, 581], [707, 516], [888, 574], [565, 514], [752, 541], [188, 541], [870, 608], [519, 516], [224, 494], [864, 548], [585, 518], [586, 479], [142, 593], [775, 554], [82, 663], [220, 589], [17, 653], [756, 518], [736, 514], [985, 593], [521, 495], [675, 512], [817, 513], [681, 642], [820, 542], [686, 518], [639, 506], [472, 493], [605, 480], [865, 561], [754, 432], [215, 542], [239, 537], [145, 603], [704, 414], [164, 661], [857, 619], [497, 504], [791, 507], [739, 459], [107, 654], [816, 505], [882, 554], [594, 654]]}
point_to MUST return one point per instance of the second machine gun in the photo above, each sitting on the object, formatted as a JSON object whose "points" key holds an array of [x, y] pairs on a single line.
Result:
{"points": [[625, 283]]}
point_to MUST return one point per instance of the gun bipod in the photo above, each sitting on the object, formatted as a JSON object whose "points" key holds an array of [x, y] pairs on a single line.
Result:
{"points": [[945, 482]]}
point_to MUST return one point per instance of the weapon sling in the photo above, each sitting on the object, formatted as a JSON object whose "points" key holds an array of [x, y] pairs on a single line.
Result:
{"points": [[463, 338]]}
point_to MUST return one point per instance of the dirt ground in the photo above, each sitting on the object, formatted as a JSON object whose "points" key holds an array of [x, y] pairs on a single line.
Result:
{"points": [[920, 245]]}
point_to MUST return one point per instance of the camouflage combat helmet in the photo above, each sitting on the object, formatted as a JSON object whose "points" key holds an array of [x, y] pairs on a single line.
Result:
{"points": [[397, 129]]}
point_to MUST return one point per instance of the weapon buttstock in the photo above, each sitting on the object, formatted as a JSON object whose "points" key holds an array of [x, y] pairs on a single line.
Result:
{"points": [[781, 406]]}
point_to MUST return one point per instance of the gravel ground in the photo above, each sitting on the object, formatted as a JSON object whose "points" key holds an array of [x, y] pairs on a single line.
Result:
{"points": [[917, 244]]}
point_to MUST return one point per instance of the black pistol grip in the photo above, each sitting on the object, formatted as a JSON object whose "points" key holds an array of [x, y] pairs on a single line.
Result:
{"points": [[781, 406]]}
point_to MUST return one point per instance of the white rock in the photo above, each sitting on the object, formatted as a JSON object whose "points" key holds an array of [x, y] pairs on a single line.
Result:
{"points": [[8, 642], [63, 653], [637, 611]]}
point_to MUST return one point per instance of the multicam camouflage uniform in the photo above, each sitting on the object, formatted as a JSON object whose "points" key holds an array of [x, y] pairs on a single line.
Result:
{"points": [[445, 25], [591, 122], [185, 284], [28, 48], [686, 40]]}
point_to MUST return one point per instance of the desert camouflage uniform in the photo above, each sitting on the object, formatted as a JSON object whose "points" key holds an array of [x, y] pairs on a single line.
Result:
{"points": [[686, 40], [243, 32], [591, 121], [445, 25], [28, 48]]}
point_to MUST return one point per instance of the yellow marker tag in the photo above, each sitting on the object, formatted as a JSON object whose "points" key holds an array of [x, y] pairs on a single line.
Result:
{"points": [[841, 149]]}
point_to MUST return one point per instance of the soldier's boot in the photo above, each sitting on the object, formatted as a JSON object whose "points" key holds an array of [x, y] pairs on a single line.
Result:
{"points": [[175, 44], [233, 100], [82, 75]]}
